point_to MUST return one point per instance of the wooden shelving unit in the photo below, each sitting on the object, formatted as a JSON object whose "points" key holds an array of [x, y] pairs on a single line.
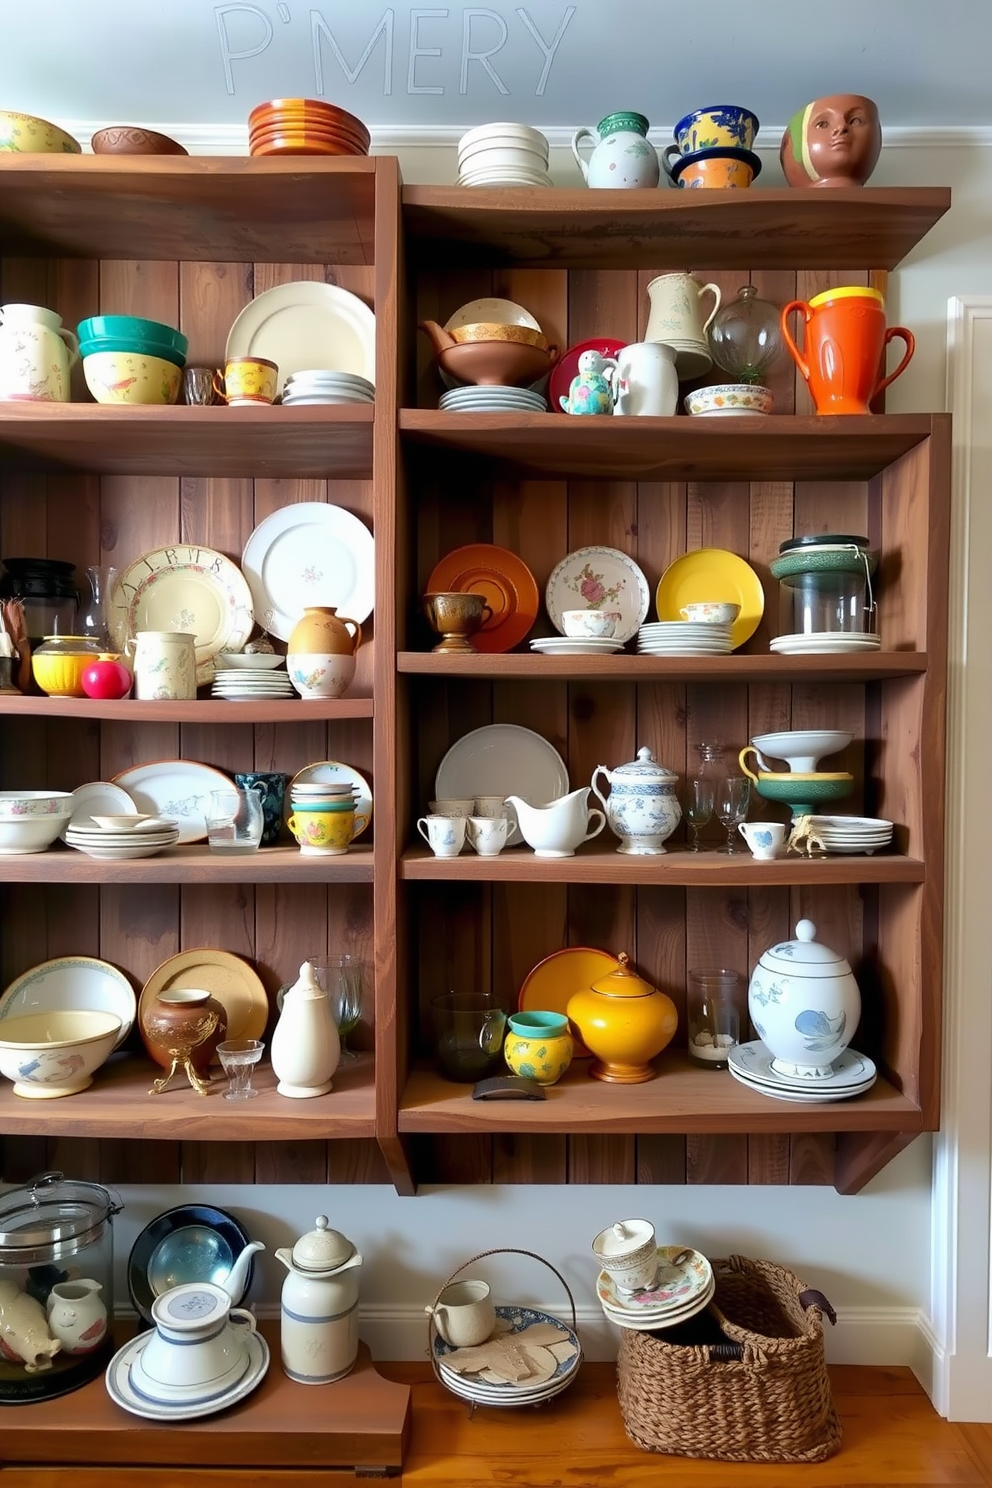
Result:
{"points": [[187, 865]]}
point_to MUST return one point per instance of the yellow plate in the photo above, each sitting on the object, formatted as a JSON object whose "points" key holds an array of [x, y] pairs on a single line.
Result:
{"points": [[712, 573], [227, 977], [552, 982]]}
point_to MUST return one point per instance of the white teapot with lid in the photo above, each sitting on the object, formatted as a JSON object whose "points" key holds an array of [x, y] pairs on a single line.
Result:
{"points": [[319, 1327], [805, 1004], [643, 806]]}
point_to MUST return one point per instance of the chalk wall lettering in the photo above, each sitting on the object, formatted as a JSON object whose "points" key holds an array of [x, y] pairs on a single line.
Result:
{"points": [[448, 49]]}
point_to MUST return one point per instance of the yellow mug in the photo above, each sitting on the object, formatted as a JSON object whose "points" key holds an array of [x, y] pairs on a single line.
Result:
{"points": [[326, 831], [247, 380]]}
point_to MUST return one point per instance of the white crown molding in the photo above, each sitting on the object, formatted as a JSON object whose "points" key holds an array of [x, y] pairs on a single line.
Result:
{"points": [[389, 139]]}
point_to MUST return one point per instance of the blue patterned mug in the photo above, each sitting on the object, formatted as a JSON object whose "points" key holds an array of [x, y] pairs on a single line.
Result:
{"points": [[271, 791]]}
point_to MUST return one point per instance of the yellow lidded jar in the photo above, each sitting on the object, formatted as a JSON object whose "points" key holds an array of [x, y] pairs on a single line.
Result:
{"points": [[625, 1022]]}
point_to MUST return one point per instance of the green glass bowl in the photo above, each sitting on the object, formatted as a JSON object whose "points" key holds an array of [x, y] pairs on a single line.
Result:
{"points": [[803, 796]]}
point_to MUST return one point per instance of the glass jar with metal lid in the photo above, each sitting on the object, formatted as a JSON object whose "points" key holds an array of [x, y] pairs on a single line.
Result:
{"points": [[829, 577], [56, 1286]]}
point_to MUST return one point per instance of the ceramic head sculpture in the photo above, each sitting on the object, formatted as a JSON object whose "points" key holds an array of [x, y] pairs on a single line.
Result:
{"points": [[833, 141]]}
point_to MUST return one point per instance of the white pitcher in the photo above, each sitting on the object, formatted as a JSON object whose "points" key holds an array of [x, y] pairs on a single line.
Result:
{"points": [[164, 665], [646, 381], [555, 829], [676, 317], [36, 355]]}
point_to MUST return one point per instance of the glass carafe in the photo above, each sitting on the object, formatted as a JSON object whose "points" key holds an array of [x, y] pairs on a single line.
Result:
{"points": [[95, 627]]}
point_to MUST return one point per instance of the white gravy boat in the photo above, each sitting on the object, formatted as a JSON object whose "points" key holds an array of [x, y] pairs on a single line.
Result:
{"points": [[555, 829]]}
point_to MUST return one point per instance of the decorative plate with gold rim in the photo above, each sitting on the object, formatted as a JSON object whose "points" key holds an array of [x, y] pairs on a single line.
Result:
{"points": [[596, 578], [227, 977]]}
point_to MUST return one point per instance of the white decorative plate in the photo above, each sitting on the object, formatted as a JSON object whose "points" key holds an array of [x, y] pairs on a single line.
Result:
{"points": [[802, 1097], [753, 1061], [823, 643], [310, 553], [599, 579], [502, 759], [99, 798], [333, 772], [675, 1288], [184, 588], [123, 1393], [305, 326], [178, 788], [72, 984]]}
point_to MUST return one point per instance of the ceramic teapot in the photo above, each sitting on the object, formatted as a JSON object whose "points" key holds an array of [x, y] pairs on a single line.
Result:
{"points": [[319, 1327], [805, 1004], [555, 829], [642, 807], [36, 355]]}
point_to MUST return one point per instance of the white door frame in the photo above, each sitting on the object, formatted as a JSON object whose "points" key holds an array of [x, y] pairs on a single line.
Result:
{"points": [[961, 1291]]}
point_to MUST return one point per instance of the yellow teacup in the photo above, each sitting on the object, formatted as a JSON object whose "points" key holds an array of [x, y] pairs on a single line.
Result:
{"points": [[247, 380], [326, 831]]}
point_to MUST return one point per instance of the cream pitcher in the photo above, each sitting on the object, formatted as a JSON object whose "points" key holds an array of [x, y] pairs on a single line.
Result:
{"points": [[164, 665], [36, 355], [676, 317]]}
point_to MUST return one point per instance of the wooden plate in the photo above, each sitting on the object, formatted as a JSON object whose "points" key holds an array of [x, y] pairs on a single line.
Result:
{"points": [[507, 583]]}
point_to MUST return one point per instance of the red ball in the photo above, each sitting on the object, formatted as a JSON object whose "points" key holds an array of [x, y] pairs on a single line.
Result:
{"points": [[106, 679]]}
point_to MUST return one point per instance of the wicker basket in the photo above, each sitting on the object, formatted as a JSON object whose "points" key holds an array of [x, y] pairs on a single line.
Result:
{"points": [[758, 1392]]}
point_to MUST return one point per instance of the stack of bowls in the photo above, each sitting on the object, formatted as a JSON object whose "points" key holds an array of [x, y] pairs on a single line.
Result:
{"points": [[713, 148], [305, 126], [315, 795], [503, 155], [324, 386], [130, 360]]}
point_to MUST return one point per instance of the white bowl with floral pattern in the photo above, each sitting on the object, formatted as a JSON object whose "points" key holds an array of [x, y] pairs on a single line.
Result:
{"points": [[729, 398], [320, 674]]}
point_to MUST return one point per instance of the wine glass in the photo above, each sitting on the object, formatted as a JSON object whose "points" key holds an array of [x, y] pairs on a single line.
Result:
{"points": [[238, 1058], [343, 979], [698, 808], [732, 804]]}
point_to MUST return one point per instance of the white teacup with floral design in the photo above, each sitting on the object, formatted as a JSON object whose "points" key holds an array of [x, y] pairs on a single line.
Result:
{"points": [[628, 1253], [488, 834], [711, 612], [453, 807], [490, 806], [763, 838], [600, 625], [320, 675], [444, 835]]}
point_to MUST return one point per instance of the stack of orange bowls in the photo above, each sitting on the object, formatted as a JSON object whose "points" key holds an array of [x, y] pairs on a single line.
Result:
{"points": [[305, 126]]}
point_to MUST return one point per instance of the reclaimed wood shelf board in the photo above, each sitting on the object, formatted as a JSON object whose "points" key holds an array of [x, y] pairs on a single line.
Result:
{"points": [[192, 863], [623, 667], [200, 710]]}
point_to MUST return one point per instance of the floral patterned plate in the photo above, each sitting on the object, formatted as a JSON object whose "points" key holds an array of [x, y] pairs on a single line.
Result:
{"points": [[599, 579], [309, 553], [178, 788], [675, 1288]]}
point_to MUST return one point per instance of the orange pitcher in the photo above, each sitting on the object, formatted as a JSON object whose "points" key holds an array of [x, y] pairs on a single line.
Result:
{"points": [[846, 339]]}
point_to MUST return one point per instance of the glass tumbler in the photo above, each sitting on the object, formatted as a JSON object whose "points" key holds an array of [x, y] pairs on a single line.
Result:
{"points": [[713, 1015], [234, 821]]}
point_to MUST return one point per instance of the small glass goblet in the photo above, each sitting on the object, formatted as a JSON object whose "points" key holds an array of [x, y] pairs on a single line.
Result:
{"points": [[732, 805], [343, 979], [238, 1058], [698, 808]]}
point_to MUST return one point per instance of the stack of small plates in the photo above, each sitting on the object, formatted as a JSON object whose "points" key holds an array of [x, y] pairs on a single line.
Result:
{"points": [[576, 646], [251, 682], [149, 835], [684, 1287], [515, 1320], [684, 638], [325, 386], [751, 1064], [852, 834], [305, 126], [492, 400], [503, 155], [819, 642], [317, 796]]}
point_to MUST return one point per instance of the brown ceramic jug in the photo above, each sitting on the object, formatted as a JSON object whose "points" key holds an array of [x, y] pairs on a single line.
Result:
{"points": [[321, 632], [181, 1029]]}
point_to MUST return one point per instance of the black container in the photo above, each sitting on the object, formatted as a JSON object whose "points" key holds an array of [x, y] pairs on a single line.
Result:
{"points": [[46, 589]]}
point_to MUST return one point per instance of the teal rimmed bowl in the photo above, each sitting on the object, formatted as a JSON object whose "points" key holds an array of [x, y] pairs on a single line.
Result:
{"points": [[128, 347], [132, 333]]}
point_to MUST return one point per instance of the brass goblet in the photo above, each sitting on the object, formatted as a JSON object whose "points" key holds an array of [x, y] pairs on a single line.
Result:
{"points": [[455, 617]]}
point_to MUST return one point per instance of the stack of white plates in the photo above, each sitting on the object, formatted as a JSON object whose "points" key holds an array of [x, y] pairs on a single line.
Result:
{"points": [[820, 642], [314, 795], [852, 834], [514, 1321], [249, 682], [503, 155], [249, 661], [684, 638], [320, 386], [576, 646], [492, 400], [751, 1064], [147, 837], [684, 1287]]}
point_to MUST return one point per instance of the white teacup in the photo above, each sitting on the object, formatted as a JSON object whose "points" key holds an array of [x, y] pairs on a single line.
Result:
{"points": [[452, 808], [199, 1344], [490, 806], [711, 612], [444, 835], [763, 838], [647, 384], [464, 1314], [628, 1253], [488, 834], [594, 624]]}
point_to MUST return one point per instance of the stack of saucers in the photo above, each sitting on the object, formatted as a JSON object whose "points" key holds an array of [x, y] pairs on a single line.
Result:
{"points": [[321, 796], [852, 834], [485, 1387], [147, 836], [324, 386], [684, 638], [851, 1074], [824, 642], [305, 126], [684, 1286], [489, 399], [576, 645], [503, 155], [251, 682]]}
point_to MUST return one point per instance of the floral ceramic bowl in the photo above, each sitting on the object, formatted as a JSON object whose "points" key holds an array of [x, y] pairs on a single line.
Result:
{"points": [[729, 398], [16, 804], [129, 377], [55, 1053], [24, 134]]}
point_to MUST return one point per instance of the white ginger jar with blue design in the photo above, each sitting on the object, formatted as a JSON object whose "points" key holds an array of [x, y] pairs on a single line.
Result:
{"points": [[805, 1005], [642, 808]]}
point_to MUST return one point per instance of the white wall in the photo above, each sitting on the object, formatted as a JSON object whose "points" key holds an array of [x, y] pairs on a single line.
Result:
{"points": [[870, 1253]]}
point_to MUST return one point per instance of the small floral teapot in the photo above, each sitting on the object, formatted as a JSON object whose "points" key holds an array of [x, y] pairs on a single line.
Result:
{"points": [[591, 389], [642, 807]]}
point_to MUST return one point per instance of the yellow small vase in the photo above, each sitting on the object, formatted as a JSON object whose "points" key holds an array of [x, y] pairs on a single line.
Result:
{"points": [[538, 1046], [625, 1022]]}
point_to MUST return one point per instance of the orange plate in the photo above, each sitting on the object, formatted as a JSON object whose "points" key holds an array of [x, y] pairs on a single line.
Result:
{"points": [[294, 146], [505, 580], [553, 981]]}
